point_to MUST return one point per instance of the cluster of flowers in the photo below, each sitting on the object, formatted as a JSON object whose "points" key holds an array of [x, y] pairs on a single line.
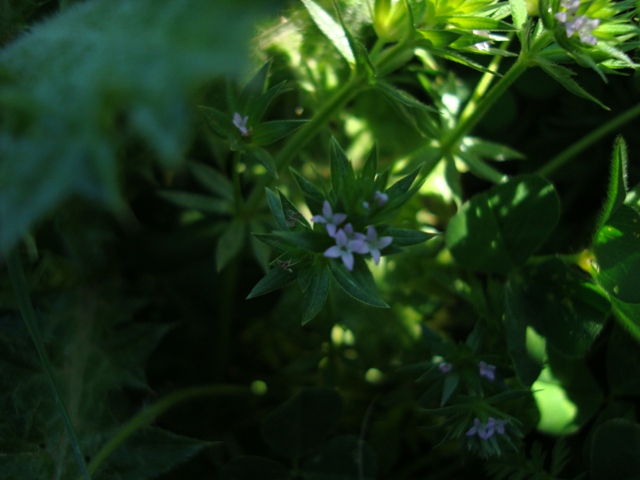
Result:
{"points": [[579, 24], [347, 240], [486, 370], [486, 430]]}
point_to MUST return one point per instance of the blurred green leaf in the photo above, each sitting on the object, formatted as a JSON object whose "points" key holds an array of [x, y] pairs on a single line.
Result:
{"points": [[275, 205], [614, 451], [343, 180], [403, 237], [498, 230], [303, 421], [617, 250], [230, 243], [264, 158], [196, 201], [100, 75], [628, 315], [396, 95], [275, 279], [312, 195], [269, 132], [341, 458], [332, 30], [212, 180], [490, 150]]}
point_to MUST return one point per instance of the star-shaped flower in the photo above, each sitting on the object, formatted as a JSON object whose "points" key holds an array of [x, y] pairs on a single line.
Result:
{"points": [[372, 244], [332, 220], [344, 247], [241, 123]]}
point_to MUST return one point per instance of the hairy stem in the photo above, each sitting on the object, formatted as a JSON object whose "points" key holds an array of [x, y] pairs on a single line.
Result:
{"points": [[20, 288]]}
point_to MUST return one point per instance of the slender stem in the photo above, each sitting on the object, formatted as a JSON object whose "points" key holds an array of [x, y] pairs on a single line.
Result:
{"points": [[16, 274], [484, 83], [149, 414], [563, 157], [466, 124]]}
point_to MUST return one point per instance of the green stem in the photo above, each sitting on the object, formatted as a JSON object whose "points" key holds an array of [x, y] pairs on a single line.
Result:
{"points": [[305, 134], [148, 415], [467, 123], [563, 157], [16, 273]]}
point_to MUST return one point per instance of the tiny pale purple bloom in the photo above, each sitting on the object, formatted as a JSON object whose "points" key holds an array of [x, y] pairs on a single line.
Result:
{"points": [[381, 198], [372, 244], [486, 430], [343, 248], [331, 219], [445, 367], [487, 370], [241, 123], [571, 5]]}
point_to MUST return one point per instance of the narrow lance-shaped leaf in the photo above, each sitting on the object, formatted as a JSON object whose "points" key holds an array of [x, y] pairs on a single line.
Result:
{"points": [[212, 180], [332, 30], [343, 179], [293, 216], [269, 132], [275, 279], [251, 93], [316, 293], [312, 195], [230, 243], [358, 283], [275, 205]]}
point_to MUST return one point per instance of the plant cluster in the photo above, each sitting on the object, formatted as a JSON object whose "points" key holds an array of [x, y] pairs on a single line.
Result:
{"points": [[403, 248]]}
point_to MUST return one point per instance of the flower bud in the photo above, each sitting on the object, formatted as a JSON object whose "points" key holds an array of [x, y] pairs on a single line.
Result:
{"points": [[390, 20]]}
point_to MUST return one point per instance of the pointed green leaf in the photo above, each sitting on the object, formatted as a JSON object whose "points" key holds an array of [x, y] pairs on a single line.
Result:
{"points": [[497, 231], [403, 237], [269, 132], [218, 122], [489, 150], [261, 252], [396, 95], [617, 188], [343, 180], [309, 240], [265, 159], [617, 250], [563, 76], [276, 209], [230, 243], [438, 38], [292, 214], [480, 168], [518, 12], [362, 61], [312, 195], [457, 57], [369, 170], [251, 93], [358, 283], [212, 180], [331, 29], [316, 293], [479, 23], [303, 421], [195, 201], [275, 279]]}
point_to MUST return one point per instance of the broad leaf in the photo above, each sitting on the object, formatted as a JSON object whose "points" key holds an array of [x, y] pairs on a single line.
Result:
{"points": [[559, 303], [617, 250], [498, 230]]}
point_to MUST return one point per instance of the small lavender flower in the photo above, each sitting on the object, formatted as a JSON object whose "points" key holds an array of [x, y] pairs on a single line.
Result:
{"points": [[241, 123], [571, 5], [344, 247], [331, 219], [445, 367], [487, 370], [579, 24], [486, 430], [372, 244], [381, 198]]}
